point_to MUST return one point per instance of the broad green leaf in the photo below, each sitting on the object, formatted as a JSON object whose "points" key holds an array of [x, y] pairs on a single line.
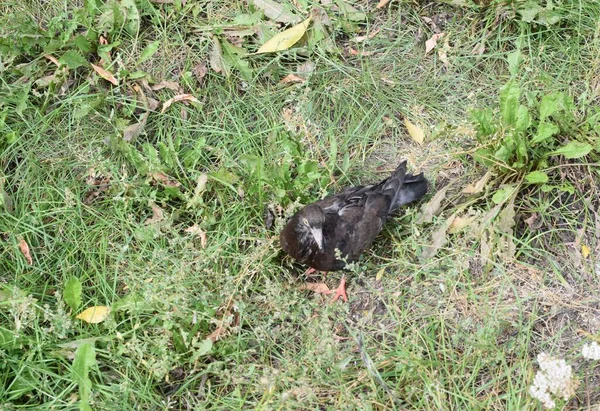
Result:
{"points": [[509, 103], [537, 177], [72, 293], [82, 43], [73, 59], [203, 347], [503, 194], [132, 16], [248, 19], [484, 121], [544, 131], [529, 11], [350, 12], [550, 104], [514, 60], [415, 131], [574, 149], [285, 39], [85, 359], [548, 17], [523, 118], [232, 55], [149, 51], [94, 315], [275, 11]]}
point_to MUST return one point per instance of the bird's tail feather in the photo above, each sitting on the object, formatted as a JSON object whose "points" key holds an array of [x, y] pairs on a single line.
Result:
{"points": [[415, 187]]}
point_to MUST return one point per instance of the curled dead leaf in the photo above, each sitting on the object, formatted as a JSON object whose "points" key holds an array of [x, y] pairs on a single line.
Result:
{"points": [[171, 85], [479, 185], [292, 78], [432, 42], [319, 288], [382, 4], [195, 230], [24, 247], [105, 74], [165, 180], [432, 207], [179, 97], [158, 214]]}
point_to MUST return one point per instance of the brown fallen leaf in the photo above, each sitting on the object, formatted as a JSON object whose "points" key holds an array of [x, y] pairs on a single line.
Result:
{"points": [[165, 180], [200, 71], [438, 239], [292, 78], [432, 207], [432, 42], [105, 74], [24, 247], [382, 4], [133, 130], [195, 230], [479, 49], [52, 59], [215, 57], [532, 222], [479, 185], [171, 85], [319, 288], [360, 39], [459, 224], [158, 214], [179, 97], [216, 334]]}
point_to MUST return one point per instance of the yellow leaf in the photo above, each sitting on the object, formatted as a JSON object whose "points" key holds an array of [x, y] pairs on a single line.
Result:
{"points": [[585, 251], [415, 132], [285, 39], [94, 315]]}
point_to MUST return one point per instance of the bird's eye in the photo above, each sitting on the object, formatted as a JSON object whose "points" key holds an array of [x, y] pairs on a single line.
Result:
{"points": [[304, 221]]}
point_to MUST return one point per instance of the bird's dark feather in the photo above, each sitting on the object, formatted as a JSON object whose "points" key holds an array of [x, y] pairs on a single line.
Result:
{"points": [[350, 220]]}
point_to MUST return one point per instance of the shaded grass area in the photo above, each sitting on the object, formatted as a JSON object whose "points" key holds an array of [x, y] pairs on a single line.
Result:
{"points": [[437, 334]]}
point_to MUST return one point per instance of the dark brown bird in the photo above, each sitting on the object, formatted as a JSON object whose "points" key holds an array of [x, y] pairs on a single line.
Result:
{"points": [[348, 222]]}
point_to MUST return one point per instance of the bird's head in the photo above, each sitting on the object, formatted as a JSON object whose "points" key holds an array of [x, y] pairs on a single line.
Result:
{"points": [[310, 223]]}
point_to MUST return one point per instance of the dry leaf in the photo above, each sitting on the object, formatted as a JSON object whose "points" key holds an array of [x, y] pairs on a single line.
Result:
{"points": [[382, 4], [275, 11], [24, 247], [165, 180], [215, 57], [415, 132], [532, 222], [433, 206], [52, 59], [105, 74], [132, 131], [216, 334], [292, 78], [354, 52], [179, 97], [94, 315], [372, 34], [171, 85], [438, 240], [432, 42], [197, 231], [158, 214], [319, 288], [459, 224], [443, 52], [585, 251], [285, 39], [479, 185], [200, 71], [479, 49]]}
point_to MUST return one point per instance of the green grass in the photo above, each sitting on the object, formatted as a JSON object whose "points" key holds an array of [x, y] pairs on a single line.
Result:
{"points": [[453, 331]]}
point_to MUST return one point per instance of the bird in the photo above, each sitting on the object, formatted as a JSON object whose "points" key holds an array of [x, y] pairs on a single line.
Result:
{"points": [[334, 231]]}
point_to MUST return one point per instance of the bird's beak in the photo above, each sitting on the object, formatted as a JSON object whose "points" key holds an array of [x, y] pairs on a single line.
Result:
{"points": [[318, 236]]}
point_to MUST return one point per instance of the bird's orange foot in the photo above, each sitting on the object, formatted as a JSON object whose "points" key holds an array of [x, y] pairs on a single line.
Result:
{"points": [[310, 271], [340, 292]]}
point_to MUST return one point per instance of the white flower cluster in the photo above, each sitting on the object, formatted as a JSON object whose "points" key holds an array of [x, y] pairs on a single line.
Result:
{"points": [[555, 378], [591, 351]]}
